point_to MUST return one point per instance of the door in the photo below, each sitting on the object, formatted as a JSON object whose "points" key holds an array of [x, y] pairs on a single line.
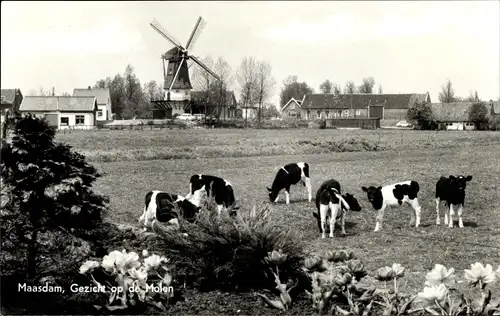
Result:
{"points": [[376, 111]]}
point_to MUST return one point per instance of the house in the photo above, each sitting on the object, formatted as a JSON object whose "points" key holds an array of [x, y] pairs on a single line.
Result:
{"points": [[291, 109], [104, 112], [63, 112], [228, 109], [11, 99], [249, 112], [356, 105], [453, 116]]}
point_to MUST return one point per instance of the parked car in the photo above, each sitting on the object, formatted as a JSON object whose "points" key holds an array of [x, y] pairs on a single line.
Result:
{"points": [[199, 117], [403, 124], [186, 117]]}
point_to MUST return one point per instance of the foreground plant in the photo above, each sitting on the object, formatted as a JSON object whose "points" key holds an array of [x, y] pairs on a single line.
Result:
{"points": [[277, 258], [129, 281]]}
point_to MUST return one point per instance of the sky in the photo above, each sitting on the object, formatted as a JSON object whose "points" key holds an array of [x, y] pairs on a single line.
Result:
{"points": [[407, 46]]}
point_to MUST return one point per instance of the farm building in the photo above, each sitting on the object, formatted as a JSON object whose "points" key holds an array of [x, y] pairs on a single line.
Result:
{"points": [[11, 100], [383, 106], [63, 112], [104, 112], [200, 104], [453, 116]]}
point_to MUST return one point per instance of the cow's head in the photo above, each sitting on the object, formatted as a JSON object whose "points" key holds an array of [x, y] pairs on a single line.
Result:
{"points": [[374, 196], [272, 194], [460, 182], [352, 201]]}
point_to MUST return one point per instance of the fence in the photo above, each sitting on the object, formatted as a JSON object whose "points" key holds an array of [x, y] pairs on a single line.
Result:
{"points": [[364, 123]]}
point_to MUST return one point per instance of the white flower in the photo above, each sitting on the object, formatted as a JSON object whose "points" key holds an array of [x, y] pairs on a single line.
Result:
{"points": [[479, 274], [153, 261], [88, 266], [399, 271], [440, 275], [140, 274], [434, 293], [145, 253], [108, 262]]}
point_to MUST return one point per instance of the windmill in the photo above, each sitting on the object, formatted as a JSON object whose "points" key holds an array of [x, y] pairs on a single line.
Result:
{"points": [[177, 85]]}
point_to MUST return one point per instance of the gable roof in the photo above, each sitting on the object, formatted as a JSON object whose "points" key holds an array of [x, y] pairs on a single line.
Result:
{"points": [[362, 100], [451, 112], [55, 103], [292, 100], [102, 94], [9, 95]]}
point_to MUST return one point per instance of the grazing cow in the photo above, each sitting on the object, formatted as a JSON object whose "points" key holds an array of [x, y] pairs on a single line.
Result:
{"points": [[160, 206], [220, 189], [289, 175], [394, 195], [452, 191], [328, 198]]}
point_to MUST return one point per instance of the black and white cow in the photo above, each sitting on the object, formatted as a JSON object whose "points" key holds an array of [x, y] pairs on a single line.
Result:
{"points": [[394, 195], [329, 198], [161, 206], [452, 191], [289, 175], [221, 190]]}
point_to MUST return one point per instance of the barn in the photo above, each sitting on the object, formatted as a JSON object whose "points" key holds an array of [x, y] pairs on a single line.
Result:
{"points": [[63, 112]]}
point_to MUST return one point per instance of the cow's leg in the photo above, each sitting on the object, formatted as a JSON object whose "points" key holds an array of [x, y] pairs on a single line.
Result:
{"points": [[379, 218], [417, 210], [143, 215], [446, 211], [452, 212], [460, 211], [342, 222], [323, 210], [334, 209], [307, 183], [287, 195], [438, 221]]}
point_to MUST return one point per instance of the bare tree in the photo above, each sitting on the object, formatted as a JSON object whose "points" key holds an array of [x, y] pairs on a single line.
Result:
{"points": [[350, 87], [202, 80], [326, 87], [225, 73], [473, 97], [367, 85], [264, 84], [336, 89], [380, 91], [246, 77], [447, 94]]}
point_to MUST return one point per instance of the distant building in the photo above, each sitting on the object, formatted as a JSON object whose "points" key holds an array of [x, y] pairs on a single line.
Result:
{"points": [[104, 112], [63, 112], [383, 106], [11, 100], [201, 104]]}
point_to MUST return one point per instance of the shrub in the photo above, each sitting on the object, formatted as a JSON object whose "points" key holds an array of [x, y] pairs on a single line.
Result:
{"points": [[420, 115], [228, 253], [478, 114], [494, 123]]}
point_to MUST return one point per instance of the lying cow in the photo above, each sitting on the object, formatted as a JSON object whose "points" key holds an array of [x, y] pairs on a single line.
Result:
{"points": [[221, 190], [452, 191], [394, 195], [287, 176], [161, 206], [328, 198]]}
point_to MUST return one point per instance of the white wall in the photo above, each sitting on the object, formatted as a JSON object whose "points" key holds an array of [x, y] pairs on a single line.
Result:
{"points": [[178, 95], [88, 121], [460, 126], [249, 113], [104, 110]]}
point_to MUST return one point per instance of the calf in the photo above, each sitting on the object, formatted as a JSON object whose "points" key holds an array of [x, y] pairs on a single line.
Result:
{"points": [[328, 198], [394, 195], [221, 190], [160, 206], [289, 175], [452, 191]]}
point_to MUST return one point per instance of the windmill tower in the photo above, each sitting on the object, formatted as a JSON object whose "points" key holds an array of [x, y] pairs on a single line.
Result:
{"points": [[177, 85]]}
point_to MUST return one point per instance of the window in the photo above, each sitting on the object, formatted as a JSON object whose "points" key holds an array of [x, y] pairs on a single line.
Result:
{"points": [[318, 113], [358, 112], [346, 113], [99, 113], [79, 120], [326, 113], [64, 121], [308, 114]]}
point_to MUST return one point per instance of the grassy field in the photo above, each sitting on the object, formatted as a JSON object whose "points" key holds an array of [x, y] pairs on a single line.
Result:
{"points": [[250, 158]]}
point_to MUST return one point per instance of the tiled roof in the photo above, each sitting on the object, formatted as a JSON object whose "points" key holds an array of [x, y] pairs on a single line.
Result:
{"points": [[361, 101], [54, 103], [451, 112], [8, 96], [200, 96], [298, 102], [102, 94]]}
